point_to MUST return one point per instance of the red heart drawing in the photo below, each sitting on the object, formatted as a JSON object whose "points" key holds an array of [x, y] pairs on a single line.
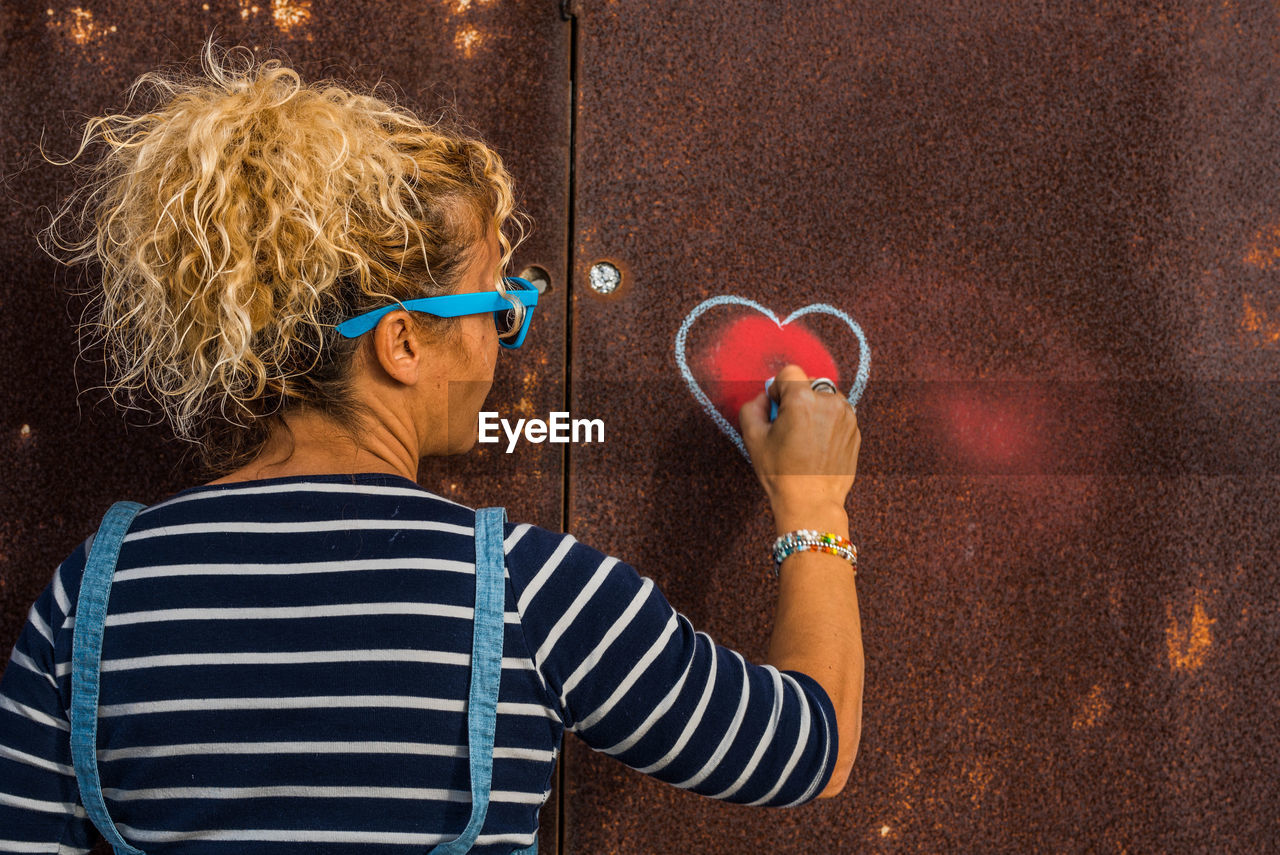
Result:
{"points": [[752, 349]]}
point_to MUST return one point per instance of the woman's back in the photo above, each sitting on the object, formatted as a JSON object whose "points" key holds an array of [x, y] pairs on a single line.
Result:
{"points": [[287, 661]]}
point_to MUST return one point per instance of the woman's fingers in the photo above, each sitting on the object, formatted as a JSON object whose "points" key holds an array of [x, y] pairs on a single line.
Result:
{"points": [[753, 419]]}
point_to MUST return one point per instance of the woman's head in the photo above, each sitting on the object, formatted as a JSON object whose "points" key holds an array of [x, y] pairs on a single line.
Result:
{"points": [[244, 214]]}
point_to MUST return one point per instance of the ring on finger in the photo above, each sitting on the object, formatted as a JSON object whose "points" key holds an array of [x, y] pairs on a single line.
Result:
{"points": [[824, 385]]}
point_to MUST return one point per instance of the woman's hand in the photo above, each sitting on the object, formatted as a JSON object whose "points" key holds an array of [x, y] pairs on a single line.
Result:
{"points": [[808, 457]]}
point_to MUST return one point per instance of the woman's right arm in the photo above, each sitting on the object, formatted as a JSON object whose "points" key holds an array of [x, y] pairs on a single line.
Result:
{"points": [[807, 460], [634, 679]]}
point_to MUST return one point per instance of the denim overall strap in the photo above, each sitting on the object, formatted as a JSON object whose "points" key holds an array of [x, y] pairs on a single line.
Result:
{"points": [[86, 657], [486, 671]]}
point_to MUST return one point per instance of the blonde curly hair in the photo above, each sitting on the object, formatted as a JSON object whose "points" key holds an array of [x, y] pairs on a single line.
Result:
{"points": [[242, 217]]}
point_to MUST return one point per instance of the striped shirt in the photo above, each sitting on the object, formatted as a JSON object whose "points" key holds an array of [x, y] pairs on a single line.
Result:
{"points": [[285, 669]]}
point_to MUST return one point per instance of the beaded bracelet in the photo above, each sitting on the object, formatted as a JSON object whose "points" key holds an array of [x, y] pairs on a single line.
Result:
{"points": [[848, 553], [805, 540]]}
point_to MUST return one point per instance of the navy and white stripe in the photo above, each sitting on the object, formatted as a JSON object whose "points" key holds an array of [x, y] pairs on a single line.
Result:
{"points": [[286, 663]]}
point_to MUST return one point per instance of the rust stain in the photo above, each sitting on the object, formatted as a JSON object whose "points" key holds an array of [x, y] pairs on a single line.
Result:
{"points": [[79, 25], [529, 385], [905, 789], [467, 39], [979, 775], [1094, 707], [1230, 16], [288, 14], [1188, 646], [1259, 322], [1264, 249]]}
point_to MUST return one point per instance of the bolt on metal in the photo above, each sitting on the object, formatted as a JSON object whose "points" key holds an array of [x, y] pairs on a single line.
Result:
{"points": [[604, 277]]}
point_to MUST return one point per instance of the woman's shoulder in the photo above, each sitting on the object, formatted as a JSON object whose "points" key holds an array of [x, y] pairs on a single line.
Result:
{"points": [[558, 565], [527, 540]]}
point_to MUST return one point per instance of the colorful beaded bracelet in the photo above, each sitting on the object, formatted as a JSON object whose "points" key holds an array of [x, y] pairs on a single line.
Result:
{"points": [[847, 553], [805, 540]]}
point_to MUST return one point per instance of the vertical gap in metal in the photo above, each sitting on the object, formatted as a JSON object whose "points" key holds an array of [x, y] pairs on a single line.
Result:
{"points": [[567, 14]]}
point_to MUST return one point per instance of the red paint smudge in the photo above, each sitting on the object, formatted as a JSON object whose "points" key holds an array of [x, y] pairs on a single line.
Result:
{"points": [[994, 427]]}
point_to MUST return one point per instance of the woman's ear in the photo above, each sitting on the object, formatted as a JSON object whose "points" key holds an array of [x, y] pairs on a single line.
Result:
{"points": [[396, 349]]}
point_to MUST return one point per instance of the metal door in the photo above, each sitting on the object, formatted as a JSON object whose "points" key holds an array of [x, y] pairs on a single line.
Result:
{"points": [[1057, 227]]}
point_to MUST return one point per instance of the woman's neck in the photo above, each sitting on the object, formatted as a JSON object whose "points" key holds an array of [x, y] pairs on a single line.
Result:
{"points": [[312, 444]]}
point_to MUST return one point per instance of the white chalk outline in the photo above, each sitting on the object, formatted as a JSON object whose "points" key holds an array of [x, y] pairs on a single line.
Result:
{"points": [[859, 381]]}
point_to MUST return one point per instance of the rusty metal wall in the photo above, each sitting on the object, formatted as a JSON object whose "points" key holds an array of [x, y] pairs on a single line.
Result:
{"points": [[1059, 228], [502, 65], [1058, 225]]}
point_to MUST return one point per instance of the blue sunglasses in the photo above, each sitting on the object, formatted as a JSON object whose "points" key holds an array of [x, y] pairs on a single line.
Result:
{"points": [[457, 305]]}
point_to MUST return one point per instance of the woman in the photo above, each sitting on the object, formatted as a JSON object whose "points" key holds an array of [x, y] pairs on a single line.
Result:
{"points": [[286, 664]]}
